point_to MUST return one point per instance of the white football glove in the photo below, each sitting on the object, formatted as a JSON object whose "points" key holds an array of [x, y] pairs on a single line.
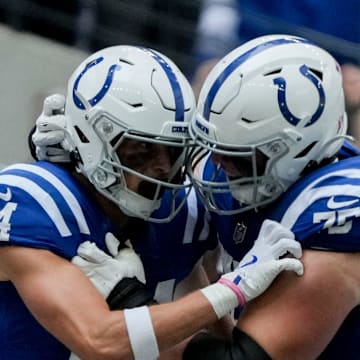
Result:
{"points": [[105, 271], [50, 137], [257, 270], [260, 266]]}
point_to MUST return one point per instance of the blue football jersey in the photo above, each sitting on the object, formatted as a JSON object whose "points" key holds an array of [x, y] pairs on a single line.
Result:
{"points": [[43, 206], [322, 209], [170, 250]]}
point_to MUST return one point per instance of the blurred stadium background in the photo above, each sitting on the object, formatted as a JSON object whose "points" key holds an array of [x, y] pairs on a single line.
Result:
{"points": [[41, 42]]}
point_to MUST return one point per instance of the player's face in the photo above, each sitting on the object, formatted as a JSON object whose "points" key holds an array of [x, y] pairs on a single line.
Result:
{"points": [[240, 166], [150, 159]]}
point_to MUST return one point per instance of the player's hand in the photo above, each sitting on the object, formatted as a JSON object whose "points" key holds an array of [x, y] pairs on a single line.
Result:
{"points": [[263, 262], [273, 241], [50, 138], [104, 271], [127, 253]]}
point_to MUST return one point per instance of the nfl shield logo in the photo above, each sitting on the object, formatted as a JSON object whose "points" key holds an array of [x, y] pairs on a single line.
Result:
{"points": [[239, 233]]}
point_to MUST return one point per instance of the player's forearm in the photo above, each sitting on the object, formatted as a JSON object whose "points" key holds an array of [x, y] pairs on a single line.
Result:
{"points": [[172, 323], [184, 317]]}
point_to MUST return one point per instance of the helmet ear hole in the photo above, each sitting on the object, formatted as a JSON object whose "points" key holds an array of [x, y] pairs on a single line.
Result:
{"points": [[115, 140], [81, 135], [305, 151]]}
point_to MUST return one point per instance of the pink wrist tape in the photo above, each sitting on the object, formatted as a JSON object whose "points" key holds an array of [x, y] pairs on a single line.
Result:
{"points": [[235, 289]]}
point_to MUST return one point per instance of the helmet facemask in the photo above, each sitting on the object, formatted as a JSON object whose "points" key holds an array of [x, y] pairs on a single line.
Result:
{"points": [[245, 171], [124, 158]]}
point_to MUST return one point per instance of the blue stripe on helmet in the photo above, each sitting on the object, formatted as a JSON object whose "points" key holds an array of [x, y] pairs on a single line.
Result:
{"points": [[174, 83], [104, 89], [239, 61]]}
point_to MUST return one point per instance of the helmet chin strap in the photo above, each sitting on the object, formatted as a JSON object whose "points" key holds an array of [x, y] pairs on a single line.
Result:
{"points": [[265, 192], [133, 204], [245, 195]]}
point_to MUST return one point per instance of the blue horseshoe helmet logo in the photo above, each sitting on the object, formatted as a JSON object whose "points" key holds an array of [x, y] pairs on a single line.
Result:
{"points": [[281, 96], [102, 92]]}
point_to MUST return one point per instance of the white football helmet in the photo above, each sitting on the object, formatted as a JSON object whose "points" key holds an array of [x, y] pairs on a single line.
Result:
{"points": [[127, 92], [274, 107]]}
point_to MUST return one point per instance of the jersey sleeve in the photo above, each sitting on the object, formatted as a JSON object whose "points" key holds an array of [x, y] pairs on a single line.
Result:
{"points": [[38, 209], [323, 211]]}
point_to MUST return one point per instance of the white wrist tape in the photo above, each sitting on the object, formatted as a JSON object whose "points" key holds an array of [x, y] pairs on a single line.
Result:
{"points": [[222, 299], [141, 333]]}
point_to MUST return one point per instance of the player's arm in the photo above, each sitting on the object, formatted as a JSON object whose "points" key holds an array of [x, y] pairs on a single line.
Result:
{"points": [[198, 279], [253, 275], [65, 302], [330, 278], [243, 347], [298, 316]]}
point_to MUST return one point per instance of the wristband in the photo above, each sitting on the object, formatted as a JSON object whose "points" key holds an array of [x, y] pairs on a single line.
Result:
{"points": [[235, 289], [222, 299], [141, 333]]}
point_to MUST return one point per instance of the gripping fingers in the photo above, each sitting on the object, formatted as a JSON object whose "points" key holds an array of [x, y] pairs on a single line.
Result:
{"points": [[80, 262], [278, 232], [48, 138], [52, 154], [112, 243], [266, 228], [291, 265], [284, 246], [54, 104], [89, 251], [129, 256], [271, 231], [51, 123]]}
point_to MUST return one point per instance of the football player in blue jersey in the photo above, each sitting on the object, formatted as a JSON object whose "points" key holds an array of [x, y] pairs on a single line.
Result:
{"points": [[126, 118], [271, 117]]}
